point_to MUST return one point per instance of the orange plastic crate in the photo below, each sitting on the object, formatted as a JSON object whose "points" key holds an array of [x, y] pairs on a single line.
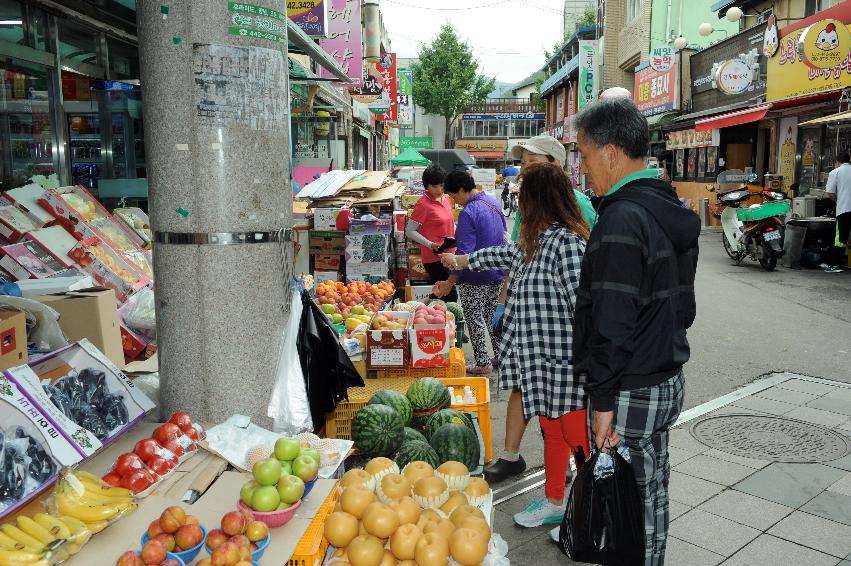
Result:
{"points": [[457, 368], [480, 387], [338, 423], [313, 545]]}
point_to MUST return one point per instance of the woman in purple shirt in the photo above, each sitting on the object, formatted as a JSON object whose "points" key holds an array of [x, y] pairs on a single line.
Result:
{"points": [[480, 225]]}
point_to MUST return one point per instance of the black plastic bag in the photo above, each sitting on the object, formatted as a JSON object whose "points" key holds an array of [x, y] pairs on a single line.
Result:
{"points": [[604, 520]]}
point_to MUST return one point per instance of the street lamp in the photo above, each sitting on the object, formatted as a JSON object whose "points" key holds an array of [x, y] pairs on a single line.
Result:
{"points": [[680, 42], [705, 29], [734, 14]]}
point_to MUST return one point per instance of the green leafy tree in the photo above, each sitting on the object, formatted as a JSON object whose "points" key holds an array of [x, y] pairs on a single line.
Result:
{"points": [[446, 77], [589, 17]]}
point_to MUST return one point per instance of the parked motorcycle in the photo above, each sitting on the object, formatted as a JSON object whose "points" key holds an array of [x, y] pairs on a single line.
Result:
{"points": [[756, 231], [509, 199]]}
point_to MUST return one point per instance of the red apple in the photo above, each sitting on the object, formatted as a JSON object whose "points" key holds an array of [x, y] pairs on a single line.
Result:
{"points": [[153, 552], [128, 462], [159, 465], [166, 432], [191, 433], [172, 519], [216, 538], [174, 447], [113, 479], [182, 420], [146, 449], [167, 540], [234, 523], [130, 558], [188, 536], [137, 481]]}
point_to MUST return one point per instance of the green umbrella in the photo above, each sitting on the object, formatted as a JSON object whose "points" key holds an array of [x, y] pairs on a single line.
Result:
{"points": [[410, 157]]}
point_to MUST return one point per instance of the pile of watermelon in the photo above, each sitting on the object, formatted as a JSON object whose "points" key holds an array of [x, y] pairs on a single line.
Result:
{"points": [[416, 426]]}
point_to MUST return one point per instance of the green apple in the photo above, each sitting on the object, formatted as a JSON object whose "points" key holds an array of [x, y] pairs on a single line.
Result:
{"points": [[305, 468], [283, 506], [358, 309], [290, 488], [286, 448], [313, 453], [267, 471], [265, 499], [286, 467], [247, 491]]}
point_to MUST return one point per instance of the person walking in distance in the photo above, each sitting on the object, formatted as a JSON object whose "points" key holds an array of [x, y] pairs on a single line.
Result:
{"points": [[839, 189], [634, 303]]}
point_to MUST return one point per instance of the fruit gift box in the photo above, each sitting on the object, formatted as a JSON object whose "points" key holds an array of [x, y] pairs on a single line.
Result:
{"points": [[36, 440], [430, 337], [109, 268], [106, 403], [387, 340]]}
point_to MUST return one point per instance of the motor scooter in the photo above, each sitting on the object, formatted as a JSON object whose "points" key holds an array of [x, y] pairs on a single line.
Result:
{"points": [[509, 198], [756, 231]]}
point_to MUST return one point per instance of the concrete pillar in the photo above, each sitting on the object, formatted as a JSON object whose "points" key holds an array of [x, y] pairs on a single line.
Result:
{"points": [[215, 95]]}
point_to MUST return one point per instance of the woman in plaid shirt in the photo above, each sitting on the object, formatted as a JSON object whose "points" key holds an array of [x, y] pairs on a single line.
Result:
{"points": [[535, 349]]}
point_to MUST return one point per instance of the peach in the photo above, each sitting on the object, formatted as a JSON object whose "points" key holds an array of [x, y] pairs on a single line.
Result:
{"points": [[154, 529], [192, 520], [247, 514], [216, 538], [226, 554], [256, 530], [153, 552], [130, 558], [188, 536], [241, 541], [204, 562], [167, 540], [234, 523], [172, 519]]}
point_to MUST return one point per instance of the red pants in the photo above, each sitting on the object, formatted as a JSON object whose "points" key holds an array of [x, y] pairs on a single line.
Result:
{"points": [[563, 436]]}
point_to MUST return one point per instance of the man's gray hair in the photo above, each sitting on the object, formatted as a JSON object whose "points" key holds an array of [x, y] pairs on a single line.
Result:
{"points": [[615, 121]]}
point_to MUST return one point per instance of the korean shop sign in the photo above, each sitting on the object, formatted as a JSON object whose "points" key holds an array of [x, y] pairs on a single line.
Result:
{"points": [[656, 91], [587, 72], [734, 76], [663, 58], [259, 22], [310, 15], [416, 143], [344, 39]]}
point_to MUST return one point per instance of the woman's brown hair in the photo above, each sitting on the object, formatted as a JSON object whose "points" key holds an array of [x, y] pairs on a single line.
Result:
{"points": [[546, 198]]}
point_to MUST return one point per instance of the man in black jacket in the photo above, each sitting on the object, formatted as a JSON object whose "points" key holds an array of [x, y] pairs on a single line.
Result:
{"points": [[634, 303]]}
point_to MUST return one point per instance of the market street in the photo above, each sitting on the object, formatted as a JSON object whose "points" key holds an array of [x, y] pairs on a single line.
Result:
{"points": [[750, 323]]}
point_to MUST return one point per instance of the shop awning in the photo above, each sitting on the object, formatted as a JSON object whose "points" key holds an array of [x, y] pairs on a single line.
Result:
{"points": [[303, 42], [745, 116], [487, 155], [833, 118]]}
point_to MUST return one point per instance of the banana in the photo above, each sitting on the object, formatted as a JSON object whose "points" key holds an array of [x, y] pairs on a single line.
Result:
{"points": [[80, 532], [96, 526], [8, 543], [20, 558], [57, 528], [91, 497], [20, 536], [69, 503], [89, 478], [35, 530]]}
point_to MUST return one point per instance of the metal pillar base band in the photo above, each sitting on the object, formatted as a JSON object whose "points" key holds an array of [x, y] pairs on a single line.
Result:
{"points": [[221, 238]]}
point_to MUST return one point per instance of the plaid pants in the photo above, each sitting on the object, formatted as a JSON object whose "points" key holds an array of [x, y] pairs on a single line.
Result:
{"points": [[479, 304], [643, 418]]}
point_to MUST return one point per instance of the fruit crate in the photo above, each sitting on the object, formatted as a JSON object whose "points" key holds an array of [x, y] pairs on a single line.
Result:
{"points": [[765, 210], [313, 545], [480, 387], [457, 368], [338, 423]]}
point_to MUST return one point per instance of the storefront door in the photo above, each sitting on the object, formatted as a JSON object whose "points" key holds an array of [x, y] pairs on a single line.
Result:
{"points": [[810, 144]]}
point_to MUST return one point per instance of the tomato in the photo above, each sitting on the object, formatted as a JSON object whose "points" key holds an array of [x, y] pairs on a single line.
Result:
{"points": [[146, 449], [159, 465], [166, 432], [137, 481], [113, 479], [182, 420], [127, 463]]}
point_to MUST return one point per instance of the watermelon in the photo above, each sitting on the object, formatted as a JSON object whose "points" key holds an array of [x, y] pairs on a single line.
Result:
{"points": [[444, 416], [378, 430], [453, 441], [413, 434], [414, 450], [394, 400], [455, 309], [427, 396]]}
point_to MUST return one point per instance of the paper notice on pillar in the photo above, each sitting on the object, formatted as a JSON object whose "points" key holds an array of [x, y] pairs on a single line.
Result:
{"points": [[240, 86]]}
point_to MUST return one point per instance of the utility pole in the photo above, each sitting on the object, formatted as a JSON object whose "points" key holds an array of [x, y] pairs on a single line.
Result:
{"points": [[216, 110]]}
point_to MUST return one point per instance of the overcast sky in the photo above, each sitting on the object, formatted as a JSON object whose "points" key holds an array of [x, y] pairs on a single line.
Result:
{"points": [[507, 36]]}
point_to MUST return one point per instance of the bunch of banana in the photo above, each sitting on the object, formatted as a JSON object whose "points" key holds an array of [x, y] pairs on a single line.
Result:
{"points": [[19, 548], [87, 498]]}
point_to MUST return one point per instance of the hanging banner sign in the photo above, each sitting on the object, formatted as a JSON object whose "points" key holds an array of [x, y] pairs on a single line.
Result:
{"points": [[416, 143], [656, 91], [310, 15], [405, 97], [588, 79], [387, 69], [505, 116], [684, 139], [662, 58], [788, 150], [344, 39]]}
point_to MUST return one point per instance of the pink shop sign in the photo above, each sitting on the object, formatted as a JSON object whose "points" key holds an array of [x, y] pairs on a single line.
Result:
{"points": [[344, 39]]}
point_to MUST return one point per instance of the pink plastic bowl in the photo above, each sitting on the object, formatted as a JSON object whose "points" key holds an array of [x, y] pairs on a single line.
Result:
{"points": [[273, 519]]}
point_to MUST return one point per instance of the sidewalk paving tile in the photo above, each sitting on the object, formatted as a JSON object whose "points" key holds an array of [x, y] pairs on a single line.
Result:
{"points": [[767, 550], [814, 532], [682, 439], [714, 470], [540, 550], [677, 455], [734, 410], [787, 395], [680, 552], [790, 484], [690, 490], [677, 509], [832, 404], [746, 509], [842, 485], [765, 405], [711, 532], [817, 416], [503, 523], [841, 463], [749, 462], [831, 506], [807, 386]]}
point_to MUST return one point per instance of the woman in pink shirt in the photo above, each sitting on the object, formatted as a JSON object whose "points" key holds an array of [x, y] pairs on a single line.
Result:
{"points": [[431, 222]]}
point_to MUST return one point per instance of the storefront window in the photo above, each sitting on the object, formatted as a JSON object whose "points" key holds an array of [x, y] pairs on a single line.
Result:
{"points": [[77, 44], [27, 137], [12, 16], [679, 164], [123, 60]]}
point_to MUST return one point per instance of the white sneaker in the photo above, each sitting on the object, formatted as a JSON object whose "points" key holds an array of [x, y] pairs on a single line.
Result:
{"points": [[554, 534], [540, 512]]}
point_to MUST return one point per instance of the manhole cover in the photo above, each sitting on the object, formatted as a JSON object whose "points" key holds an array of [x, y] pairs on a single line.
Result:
{"points": [[771, 438]]}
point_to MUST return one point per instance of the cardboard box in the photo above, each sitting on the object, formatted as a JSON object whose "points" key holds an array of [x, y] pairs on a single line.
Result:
{"points": [[389, 349], [108, 267], [367, 248], [419, 293], [135, 219], [416, 270], [363, 227], [327, 242], [360, 255], [26, 199], [325, 218], [13, 339], [56, 241], [14, 223], [29, 260], [134, 344], [377, 268], [327, 262], [90, 314], [430, 346], [409, 201], [400, 219], [323, 276]]}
